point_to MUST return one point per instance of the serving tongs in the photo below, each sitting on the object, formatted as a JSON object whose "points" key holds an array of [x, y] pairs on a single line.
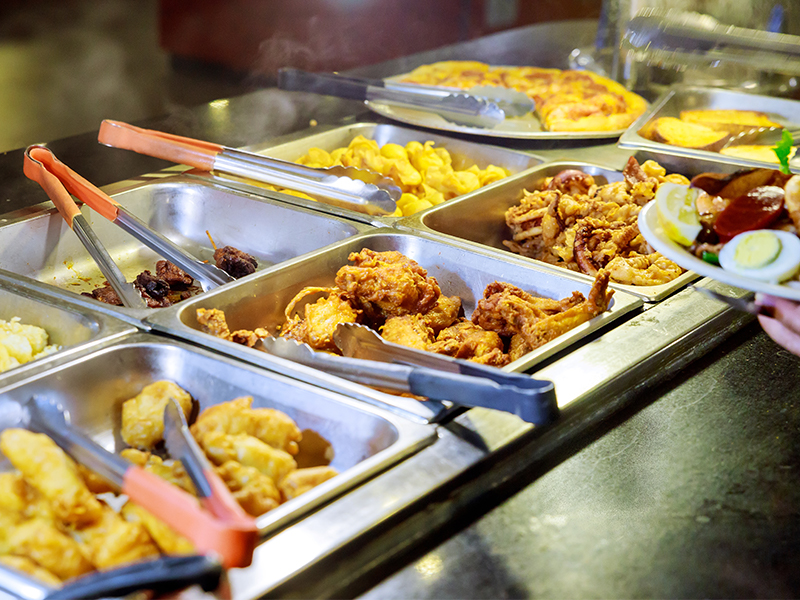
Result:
{"points": [[681, 38], [470, 107], [453, 380], [220, 530], [358, 189], [58, 180]]}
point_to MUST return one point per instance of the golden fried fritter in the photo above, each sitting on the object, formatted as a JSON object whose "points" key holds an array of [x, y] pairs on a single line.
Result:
{"points": [[444, 313], [408, 330], [468, 341], [213, 321], [387, 284], [300, 481], [271, 426], [171, 470], [54, 474], [20, 500], [112, 541], [250, 451], [167, 540], [255, 492], [143, 415], [321, 319], [40, 541], [25, 565]]}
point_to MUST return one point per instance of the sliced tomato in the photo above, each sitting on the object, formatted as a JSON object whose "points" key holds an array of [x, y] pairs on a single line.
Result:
{"points": [[757, 209]]}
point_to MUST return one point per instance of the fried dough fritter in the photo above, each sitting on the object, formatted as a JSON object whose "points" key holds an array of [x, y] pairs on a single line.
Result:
{"points": [[143, 415], [271, 426], [55, 475], [221, 447], [388, 284], [255, 492], [302, 480]]}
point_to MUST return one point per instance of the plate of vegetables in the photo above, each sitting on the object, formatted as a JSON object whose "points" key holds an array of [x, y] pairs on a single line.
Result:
{"points": [[741, 228]]}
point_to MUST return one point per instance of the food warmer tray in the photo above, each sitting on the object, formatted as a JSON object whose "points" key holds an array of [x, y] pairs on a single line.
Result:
{"points": [[75, 328], [260, 300], [479, 222], [38, 245], [464, 153], [691, 162]]}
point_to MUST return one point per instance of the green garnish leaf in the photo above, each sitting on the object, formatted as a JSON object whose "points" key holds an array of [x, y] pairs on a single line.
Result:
{"points": [[783, 151], [711, 258]]}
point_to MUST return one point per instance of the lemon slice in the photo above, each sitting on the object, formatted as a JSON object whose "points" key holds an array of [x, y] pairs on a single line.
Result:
{"points": [[677, 212]]}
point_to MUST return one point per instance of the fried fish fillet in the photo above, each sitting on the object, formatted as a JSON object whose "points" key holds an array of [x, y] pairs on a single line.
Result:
{"points": [[300, 481], [255, 492], [247, 450]]}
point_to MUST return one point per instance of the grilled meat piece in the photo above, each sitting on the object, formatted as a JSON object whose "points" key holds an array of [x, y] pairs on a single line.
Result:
{"points": [[153, 286], [235, 262], [104, 294], [176, 278]]}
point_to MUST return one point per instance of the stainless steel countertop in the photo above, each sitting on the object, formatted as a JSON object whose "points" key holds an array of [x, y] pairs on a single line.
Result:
{"points": [[684, 487]]}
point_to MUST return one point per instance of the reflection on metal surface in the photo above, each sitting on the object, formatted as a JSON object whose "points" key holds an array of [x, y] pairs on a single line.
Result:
{"points": [[430, 566]]}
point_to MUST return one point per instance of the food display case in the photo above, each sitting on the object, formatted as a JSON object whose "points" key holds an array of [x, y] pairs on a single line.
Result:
{"points": [[413, 472]]}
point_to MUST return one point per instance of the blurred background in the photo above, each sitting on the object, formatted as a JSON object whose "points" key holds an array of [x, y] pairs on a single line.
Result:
{"points": [[67, 64]]}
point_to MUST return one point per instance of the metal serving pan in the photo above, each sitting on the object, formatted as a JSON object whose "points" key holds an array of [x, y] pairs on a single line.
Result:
{"points": [[260, 301], [187, 210], [365, 440], [75, 329], [480, 220], [464, 153], [691, 162]]}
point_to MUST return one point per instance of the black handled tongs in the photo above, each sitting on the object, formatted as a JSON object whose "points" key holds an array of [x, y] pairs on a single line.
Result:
{"points": [[458, 107], [454, 380], [59, 181]]}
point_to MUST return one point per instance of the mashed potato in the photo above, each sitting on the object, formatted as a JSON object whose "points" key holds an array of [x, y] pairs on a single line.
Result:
{"points": [[20, 343]]}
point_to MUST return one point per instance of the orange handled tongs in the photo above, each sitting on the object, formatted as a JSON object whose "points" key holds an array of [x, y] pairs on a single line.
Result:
{"points": [[218, 526], [59, 181], [354, 188]]}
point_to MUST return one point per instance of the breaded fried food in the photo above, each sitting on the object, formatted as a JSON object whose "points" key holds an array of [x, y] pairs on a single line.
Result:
{"points": [[25, 565], [271, 426], [300, 481], [143, 415], [408, 330], [40, 541], [167, 540], [54, 474], [255, 492], [321, 318], [170, 470], [444, 313], [467, 341], [112, 541], [20, 500], [389, 284], [250, 451]]}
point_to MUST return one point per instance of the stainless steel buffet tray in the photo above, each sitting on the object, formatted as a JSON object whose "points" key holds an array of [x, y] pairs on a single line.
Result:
{"points": [[187, 210], [479, 221], [464, 154], [74, 328], [365, 440], [260, 301], [691, 162]]}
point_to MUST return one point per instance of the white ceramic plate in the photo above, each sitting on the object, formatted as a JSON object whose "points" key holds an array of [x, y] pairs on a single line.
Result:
{"points": [[655, 236]]}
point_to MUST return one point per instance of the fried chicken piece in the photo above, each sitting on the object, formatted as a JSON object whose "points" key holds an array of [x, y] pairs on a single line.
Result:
{"points": [[20, 500], [255, 492], [250, 451], [388, 284], [52, 473], [143, 415], [245, 337], [169, 470], [300, 481], [488, 316], [93, 481], [213, 321], [104, 294], [271, 426], [40, 541], [25, 565], [167, 540], [320, 322], [468, 341], [517, 347], [175, 277], [444, 313], [112, 541], [235, 262], [537, 332], [408, 330]]}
